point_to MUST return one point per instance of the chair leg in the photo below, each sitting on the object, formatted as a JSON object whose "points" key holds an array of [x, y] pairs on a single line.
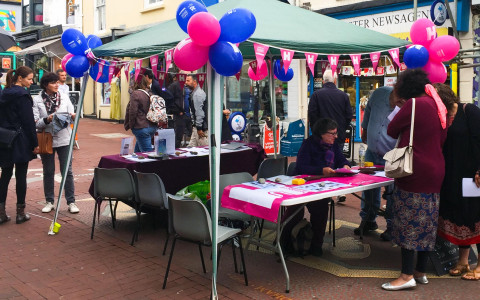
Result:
{"points": [[201, 256], [137, 227], [94, 216], [169, 262], [112, 213], [243, 260], [166, 242], [332, 216], [220, 247], [234, 255], [260, 231]]}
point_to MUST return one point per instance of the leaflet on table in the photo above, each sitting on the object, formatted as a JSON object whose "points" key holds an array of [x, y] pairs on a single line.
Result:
{"points": [[380, 174], [137, 158], [283, 179], [194, 151], [321, 186], [264, 196]]}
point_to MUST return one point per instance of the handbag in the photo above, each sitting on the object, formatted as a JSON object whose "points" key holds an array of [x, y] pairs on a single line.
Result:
{"points": [[399, 161], [45, 142], [7, 137]]}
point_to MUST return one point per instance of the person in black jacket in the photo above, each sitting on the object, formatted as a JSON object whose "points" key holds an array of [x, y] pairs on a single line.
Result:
{"points": [[16, 112], [156, 89], [180, 109]]}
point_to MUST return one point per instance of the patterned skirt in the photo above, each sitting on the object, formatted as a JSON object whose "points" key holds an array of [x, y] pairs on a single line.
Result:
{"points": [[415, 219]]}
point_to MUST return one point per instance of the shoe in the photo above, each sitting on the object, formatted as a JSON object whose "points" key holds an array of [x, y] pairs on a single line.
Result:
{"points": [[73, 209], [386, 235], [316, 251], [22, 217], [341, 198], [459, 269], [48, 207], [422, 280], [3, 215], [408, 285], [369, 226], [472, 275]]}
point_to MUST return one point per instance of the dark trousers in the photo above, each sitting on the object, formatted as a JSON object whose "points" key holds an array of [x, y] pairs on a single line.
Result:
{"points": [[21, 179], [48, 162], [408, 257], [318, 217], [181, 125]]}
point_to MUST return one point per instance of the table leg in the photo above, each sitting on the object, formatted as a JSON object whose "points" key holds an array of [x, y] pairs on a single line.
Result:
{"points": [[279, 249]]}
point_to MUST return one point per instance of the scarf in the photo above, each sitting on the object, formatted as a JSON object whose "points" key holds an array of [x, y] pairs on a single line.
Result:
{"points": [[442, 110], [329, 154], [51, 102]]}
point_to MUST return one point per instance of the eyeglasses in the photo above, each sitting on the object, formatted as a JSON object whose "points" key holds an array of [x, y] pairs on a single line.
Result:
{"points": [[332, 133]]}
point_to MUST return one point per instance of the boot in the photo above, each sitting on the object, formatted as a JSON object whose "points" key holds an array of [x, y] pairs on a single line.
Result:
{"points": [[3, 215], [21, 215]]}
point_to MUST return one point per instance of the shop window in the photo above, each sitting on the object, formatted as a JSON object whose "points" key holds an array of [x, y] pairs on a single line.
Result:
{"points": [[100, 17], [107, 90], [32, 12], [242, 94]]}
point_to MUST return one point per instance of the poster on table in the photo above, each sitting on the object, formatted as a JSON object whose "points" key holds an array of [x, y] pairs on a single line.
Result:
{"points": [[268, 140]]}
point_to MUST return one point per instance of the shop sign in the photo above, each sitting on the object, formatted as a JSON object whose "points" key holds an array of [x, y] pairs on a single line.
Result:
{"points": [[390, 69], [268, 140], [347, 71], [403, 67], [50, 32], [390, 81], [438, 12], [6, 63], [380, 71]]}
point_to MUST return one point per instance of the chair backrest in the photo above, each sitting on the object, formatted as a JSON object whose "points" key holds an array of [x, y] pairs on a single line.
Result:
{"points": [[113, 183], [150, 190], [234, 178], [292, 169], [191, 220], [272, 167]]}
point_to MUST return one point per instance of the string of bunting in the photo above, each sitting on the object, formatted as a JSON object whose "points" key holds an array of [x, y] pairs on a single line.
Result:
{"points": [[217, 41]]}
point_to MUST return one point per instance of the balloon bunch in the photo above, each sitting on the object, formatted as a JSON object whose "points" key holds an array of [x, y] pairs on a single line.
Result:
{"points": [[429, 50], [77, 61], [210, 39]]}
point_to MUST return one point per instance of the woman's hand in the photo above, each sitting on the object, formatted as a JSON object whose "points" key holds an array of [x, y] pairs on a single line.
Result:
{"points": [[73, 115], [50, 118], [36, 150], [347, 167], [328, 171], [477, 178]]}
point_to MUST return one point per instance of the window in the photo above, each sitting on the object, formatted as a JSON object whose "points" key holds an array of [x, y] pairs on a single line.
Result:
{"points": [[100, 18], [149, 3], [26, 12], [32, 12]]}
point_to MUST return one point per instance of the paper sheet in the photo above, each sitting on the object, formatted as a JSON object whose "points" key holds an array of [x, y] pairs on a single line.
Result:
{"points": [[283, 179], [469, 188], [137, 159], [393, 113]]}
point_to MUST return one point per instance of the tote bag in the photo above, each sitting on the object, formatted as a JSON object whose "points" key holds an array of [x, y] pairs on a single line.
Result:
{"points": [[45, 142], [399, 161]]}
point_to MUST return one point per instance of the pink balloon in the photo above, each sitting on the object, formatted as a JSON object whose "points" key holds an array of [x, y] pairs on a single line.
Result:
{"points": [[444, 48], [436, 71], [65, 59], [261, 73], [189, 56], [423, 32], [204, 29]]}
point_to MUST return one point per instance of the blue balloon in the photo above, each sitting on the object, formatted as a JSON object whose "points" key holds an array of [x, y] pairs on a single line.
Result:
{"points": [[225, 58], [280, 72], [237, 25], [77, 66], [93, 41], [415, 57], [74, 41], [94, 72], [186, 10]]}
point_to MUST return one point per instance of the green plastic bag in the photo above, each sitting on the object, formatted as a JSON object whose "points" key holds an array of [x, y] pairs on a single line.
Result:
{"points": [[199, 189]]}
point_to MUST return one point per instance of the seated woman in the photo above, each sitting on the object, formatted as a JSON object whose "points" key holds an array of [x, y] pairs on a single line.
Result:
{"points": [[318, 155]]}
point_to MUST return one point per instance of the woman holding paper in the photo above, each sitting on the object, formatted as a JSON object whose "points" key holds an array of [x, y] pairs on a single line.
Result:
{"points": [[46, 105], [416, 197], [459, 220], [136, 115]]}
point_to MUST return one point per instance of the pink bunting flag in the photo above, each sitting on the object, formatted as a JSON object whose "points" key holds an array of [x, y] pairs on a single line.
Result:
{"points": [[333, 60], [111, 70], [287, 56], [260, 52], [311, 59], [324, 65], [375, 57], [154, 63], [201, 79], [101, 64], [394, 53], [181, 79], [138, 66], [161, 77], [356, 63], [238, 75], [253, 65], [168, 59], [126, 67]]}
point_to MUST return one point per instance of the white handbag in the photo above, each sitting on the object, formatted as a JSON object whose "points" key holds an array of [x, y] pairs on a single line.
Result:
{"points": [[399, 161]]}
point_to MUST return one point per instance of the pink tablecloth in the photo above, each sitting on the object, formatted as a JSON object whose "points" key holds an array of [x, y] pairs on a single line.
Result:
{"points": [[265, 202]]}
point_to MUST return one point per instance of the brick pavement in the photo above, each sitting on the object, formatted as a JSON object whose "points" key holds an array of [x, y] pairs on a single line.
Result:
{"points": [[69, 265]]}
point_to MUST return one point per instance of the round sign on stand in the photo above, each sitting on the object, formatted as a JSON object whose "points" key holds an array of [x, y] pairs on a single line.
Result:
{"points": [[438, 12], [237, 122]]}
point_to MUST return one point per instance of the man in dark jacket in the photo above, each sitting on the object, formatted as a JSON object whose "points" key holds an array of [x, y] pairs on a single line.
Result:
{"points": [[180, 109], [330, 102], [158, 90]]}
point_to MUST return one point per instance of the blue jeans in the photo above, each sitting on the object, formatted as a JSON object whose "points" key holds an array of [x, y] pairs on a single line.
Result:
{"points": [[372, 198], [144, 138]]}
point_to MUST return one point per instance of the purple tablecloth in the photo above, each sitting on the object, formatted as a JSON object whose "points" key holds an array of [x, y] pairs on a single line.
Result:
{"points": [[177, 173]]}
